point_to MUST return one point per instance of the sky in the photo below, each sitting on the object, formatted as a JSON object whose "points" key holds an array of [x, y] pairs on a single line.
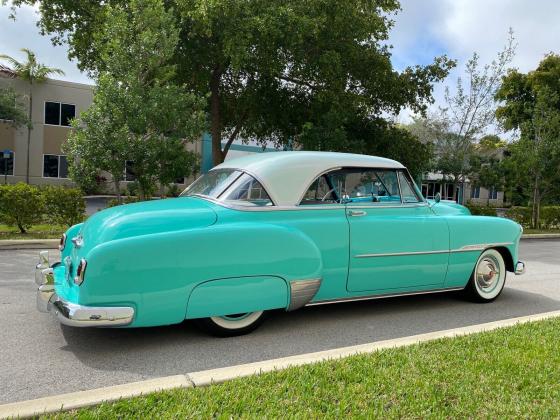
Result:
{"points": [[423, 29]]}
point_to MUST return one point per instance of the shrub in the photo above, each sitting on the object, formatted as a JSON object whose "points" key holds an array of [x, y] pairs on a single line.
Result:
{"points": [[21, 205], [64, 206], [521, 215], [173, 190], [550, 217], [481, 210], [126, 200]]}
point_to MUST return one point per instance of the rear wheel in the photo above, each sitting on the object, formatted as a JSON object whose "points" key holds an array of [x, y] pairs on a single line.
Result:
{"points": [[231, 325], [488, 278]]}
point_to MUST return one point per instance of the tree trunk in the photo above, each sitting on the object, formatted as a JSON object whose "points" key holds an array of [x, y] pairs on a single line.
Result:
{"points": [[29, 128], [215, 118]]}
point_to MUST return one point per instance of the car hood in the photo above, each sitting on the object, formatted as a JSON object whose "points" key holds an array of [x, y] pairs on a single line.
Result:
{"points": [[145, 218]]}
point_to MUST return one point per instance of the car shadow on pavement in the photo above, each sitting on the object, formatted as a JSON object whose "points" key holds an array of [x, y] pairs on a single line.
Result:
{"points": [[182, 348]]}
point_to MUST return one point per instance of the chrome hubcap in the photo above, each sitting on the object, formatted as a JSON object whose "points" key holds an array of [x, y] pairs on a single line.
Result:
{"points": [[487, 273]]}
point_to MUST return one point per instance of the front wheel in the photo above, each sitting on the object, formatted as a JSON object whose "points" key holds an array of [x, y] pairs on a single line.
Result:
{"points": [[488, 278], [231, 325]]}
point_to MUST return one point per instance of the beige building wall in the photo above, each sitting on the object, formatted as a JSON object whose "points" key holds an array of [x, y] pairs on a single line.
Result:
{"points": [[45, 139]]}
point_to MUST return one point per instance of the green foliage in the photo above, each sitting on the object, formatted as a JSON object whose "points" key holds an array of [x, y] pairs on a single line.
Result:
{"points": [[173, 190], [477, 210], [372, 137], [64, 206], [531, 105], [11, 108], [21, 205], [129, 199], [521, 215], [270, 68], [550, 217], [139, 114]]}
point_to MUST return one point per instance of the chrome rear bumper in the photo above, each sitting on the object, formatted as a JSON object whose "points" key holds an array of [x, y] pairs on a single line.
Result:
{"points": [[72, 314], [519, 268]]}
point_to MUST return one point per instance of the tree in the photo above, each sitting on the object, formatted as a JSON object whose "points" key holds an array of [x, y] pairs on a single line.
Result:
{"points": [[531, 107], [12, 110], [139, 115], [33, 73], [468, 113], [270, 69], [486, 162]]}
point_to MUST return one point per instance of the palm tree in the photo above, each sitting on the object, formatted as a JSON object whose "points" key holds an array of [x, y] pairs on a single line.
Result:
{"points": [[32, 72]]}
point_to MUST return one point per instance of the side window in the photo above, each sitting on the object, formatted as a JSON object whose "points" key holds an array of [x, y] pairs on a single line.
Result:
{"points": [[408, 191], [247, 191], [320, 192], [371, 186]]}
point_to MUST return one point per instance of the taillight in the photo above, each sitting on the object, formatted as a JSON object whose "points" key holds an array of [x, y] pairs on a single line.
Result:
{"points": [[62, 242], [80, 272]]}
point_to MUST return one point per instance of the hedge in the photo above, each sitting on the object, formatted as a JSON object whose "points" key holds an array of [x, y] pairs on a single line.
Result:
{"points": [[24, 205], [549, 218], [481, 210]]}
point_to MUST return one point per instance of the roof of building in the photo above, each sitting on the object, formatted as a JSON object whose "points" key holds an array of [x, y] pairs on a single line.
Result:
{"points": [[287, 175], [6, 72]]}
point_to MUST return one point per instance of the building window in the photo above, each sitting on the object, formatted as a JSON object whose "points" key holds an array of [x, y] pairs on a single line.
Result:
{"points": [[57, 113], [6, 165], [55, 166], [493, 194], [475, 192]]}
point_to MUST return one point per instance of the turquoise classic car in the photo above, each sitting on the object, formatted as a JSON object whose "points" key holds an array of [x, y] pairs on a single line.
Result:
{"points": [[273, 231]]}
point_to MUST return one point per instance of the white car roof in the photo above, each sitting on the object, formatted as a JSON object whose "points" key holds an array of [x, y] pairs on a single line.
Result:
{"points": [[287, 175]]}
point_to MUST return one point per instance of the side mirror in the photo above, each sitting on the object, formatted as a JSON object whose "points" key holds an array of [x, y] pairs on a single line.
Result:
{"points": [[437, 198]]}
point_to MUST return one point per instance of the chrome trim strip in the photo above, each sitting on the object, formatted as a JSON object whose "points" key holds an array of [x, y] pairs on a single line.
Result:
{"points": [[465, 248], [399, 254], [383, 296], [302, 291]]}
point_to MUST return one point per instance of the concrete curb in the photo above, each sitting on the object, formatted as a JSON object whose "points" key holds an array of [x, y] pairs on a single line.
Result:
{"points": [[7, 244], [540, 236], [207, 377]]}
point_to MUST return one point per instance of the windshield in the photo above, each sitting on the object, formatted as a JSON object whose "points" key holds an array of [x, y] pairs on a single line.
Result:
{"points": [[213, 183]]}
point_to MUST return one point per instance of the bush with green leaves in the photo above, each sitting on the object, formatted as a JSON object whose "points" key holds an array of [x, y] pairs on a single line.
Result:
{"points": [[481, 210], [64, 206], [21, 205], [521, 215], [126, 200], [550, 217]]}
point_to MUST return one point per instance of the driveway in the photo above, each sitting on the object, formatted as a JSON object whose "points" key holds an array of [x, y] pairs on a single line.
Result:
{"points": [[39, 357]]}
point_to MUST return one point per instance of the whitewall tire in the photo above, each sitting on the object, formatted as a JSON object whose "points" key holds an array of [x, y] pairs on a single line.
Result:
{"points": [[231, 325], [488, 277]]}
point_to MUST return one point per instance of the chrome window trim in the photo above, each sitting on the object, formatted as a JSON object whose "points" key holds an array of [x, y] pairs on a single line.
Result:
{"points": [[383, 296], [465, 248]]}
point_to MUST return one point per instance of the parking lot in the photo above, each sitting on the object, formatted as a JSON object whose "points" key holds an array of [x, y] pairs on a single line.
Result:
{"points": [[39, 357]]}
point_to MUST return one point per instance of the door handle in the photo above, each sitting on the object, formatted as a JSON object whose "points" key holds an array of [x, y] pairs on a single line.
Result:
{"points": [[356, 213]]}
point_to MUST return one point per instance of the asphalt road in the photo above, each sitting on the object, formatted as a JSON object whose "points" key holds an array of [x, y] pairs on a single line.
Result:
{"points": [[39, 357]]}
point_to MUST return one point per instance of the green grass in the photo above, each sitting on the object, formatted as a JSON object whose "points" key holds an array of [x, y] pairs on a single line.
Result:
{"points": [[36, 232], [537, 231], [513, 372]]}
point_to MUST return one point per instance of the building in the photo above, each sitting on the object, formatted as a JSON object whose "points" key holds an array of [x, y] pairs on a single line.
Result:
{"points": [[55, 103], [466, 192]]}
